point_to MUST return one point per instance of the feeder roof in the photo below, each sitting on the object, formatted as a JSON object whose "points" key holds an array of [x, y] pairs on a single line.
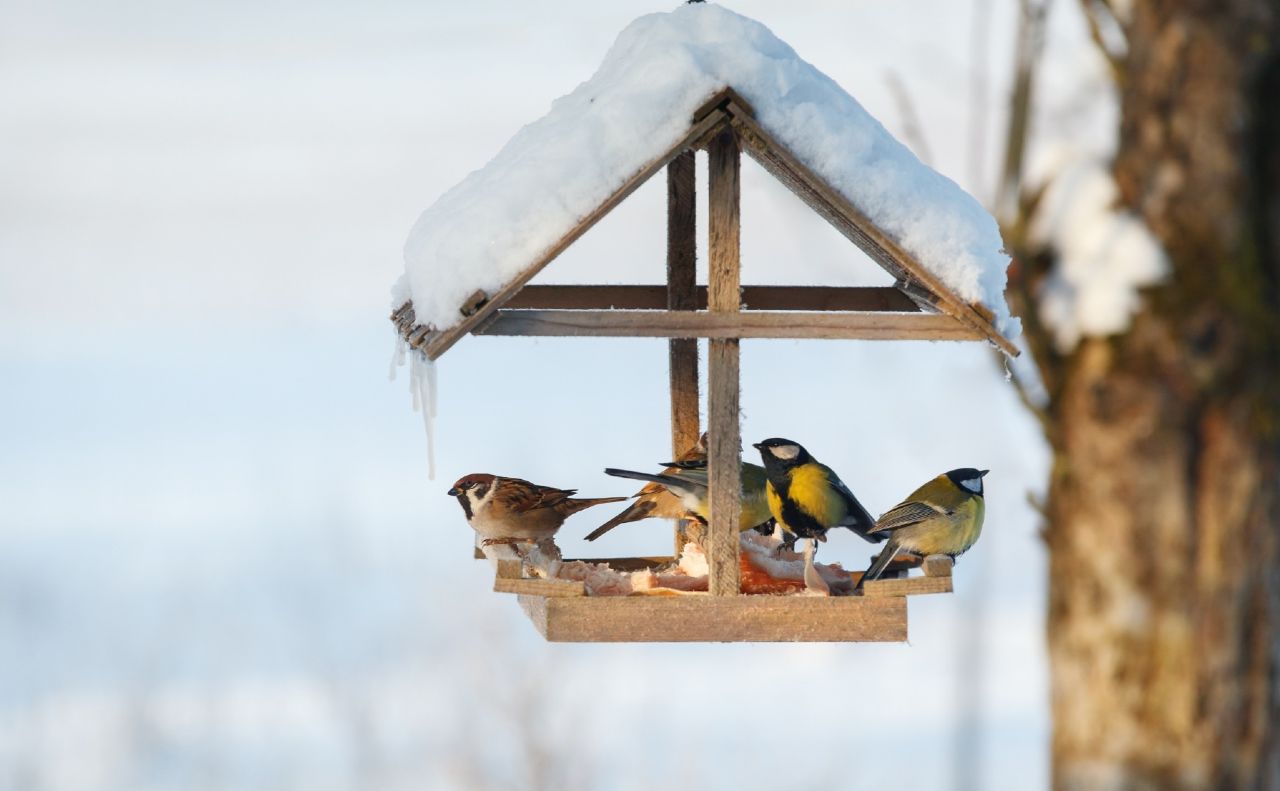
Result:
{"points": [[488, 229]]}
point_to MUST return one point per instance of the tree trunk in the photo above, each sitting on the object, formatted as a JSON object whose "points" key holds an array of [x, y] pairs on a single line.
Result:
{"points": [[1164, 502]]}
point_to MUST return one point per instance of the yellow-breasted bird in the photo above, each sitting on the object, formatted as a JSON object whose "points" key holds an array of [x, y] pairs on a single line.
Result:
{"points": [[691, 486], [943, 517], [807, 497], [653, 501]]}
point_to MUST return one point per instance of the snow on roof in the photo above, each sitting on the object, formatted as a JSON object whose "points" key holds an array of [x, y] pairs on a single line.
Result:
{"points": [[663, 67]]}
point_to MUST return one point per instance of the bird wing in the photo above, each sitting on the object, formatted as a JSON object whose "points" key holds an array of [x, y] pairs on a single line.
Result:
{"points": [[525, 496], [858, 516], [905, 514], [693, 457]]}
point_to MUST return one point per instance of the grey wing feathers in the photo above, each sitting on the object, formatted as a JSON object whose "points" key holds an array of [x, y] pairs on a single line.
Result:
{"points": [[672, 482], [858, 515], [906, 514]]}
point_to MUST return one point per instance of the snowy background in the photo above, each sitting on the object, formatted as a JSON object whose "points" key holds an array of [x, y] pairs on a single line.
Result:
{"points": [[221, 562]]}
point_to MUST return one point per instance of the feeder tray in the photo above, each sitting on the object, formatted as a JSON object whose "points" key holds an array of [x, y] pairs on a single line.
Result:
{"points": [[562, 611], [918, 307]]}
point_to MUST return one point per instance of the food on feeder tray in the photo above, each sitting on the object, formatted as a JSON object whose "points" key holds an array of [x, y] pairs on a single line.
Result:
{"points": [[691, 486], [943, 517], [764, 570], [507, 510], [653, 501], [806, 497], [687, 575], [765, 567]]}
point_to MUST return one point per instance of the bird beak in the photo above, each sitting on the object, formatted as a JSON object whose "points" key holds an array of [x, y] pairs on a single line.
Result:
{"points": [[983, 473], [756, 445], [454, 492]]}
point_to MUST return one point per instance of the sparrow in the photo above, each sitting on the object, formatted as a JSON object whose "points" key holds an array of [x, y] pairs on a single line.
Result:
{"points": [[943, 517], [688, 481], [654, 501], [806, 497], [508, 510]]}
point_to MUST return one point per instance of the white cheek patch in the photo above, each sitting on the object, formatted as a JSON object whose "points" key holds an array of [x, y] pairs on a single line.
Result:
{"points": [[786, 452], [488, 495], [973, 484]]}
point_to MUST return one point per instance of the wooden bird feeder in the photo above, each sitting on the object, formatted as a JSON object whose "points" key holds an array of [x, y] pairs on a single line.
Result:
{"points": [[918, 307]]}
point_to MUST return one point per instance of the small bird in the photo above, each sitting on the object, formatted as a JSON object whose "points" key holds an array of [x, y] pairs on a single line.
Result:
{"points": [[654, 501], [688, 481], [509, 510], [807, 497], [943, 517]]}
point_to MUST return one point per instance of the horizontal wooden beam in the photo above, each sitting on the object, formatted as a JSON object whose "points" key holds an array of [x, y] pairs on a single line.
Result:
{"points": [[628, 563], [905, 586], [882, 299], [539, 586], [687, 324], [702, 618]]}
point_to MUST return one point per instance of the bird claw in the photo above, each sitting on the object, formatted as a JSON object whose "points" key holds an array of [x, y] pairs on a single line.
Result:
{"points": [[492, 542]]}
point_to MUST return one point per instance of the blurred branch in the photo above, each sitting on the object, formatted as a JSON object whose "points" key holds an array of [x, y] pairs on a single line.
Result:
{"points": [[911, 129], [979, 77], [1031, 24], [1015, 206], [1114, 46]]}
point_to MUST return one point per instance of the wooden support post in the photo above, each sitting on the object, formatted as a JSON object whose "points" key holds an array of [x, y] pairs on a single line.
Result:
{"points": [[723, 452], [682, 294]]}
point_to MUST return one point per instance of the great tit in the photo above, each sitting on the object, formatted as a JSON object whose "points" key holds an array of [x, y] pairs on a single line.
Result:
{"points": [[807, 497], [690, 484], [943, 517]]}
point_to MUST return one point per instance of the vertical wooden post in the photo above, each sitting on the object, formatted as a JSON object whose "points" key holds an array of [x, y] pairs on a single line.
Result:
{"points": [[682, 294], [723, 296]]}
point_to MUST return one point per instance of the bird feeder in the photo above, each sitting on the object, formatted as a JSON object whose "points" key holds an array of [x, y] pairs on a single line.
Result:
{"points": [[920, 306]]}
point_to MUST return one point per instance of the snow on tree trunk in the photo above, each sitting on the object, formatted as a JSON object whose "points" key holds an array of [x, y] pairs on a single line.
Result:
{"points": [[1164, 501]]}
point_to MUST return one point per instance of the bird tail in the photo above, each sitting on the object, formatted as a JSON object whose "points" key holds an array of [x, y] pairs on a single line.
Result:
{"points": [[577, 504], [881, 562], [632, 513], [673, 483]]}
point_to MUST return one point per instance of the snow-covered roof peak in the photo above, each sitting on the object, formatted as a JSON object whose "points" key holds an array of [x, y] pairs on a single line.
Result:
{"points": [[482, 233]]}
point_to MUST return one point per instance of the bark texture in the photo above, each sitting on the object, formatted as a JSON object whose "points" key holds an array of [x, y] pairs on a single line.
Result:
{"points": [[1164, 503]]}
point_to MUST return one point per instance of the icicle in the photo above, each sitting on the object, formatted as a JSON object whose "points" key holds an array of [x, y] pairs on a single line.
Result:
{"points": [[431, 387], [397, 357], [414, 374], [422, 384]]}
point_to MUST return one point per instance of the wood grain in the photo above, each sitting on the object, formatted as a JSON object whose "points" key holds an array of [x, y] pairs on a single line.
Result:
{"points": [[904, 586], [724, 439], [938, 565], [688, 324], [626, 564], [706, 618], [539, 587], [681, 293], [877, 299]]}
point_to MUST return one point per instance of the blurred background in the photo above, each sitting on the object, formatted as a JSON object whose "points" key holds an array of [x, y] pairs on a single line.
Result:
{"points": [[222, 564]]}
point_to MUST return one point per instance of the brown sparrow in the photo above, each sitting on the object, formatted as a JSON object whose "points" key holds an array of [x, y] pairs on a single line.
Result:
{"points": [[654, 501], [507, 510]]}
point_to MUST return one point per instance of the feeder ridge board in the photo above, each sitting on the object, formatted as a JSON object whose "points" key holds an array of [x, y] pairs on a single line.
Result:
{"points": [[919, 307]]}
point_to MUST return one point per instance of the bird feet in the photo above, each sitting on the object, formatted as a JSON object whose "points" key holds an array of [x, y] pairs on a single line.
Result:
{"points": [[492, 542]]}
